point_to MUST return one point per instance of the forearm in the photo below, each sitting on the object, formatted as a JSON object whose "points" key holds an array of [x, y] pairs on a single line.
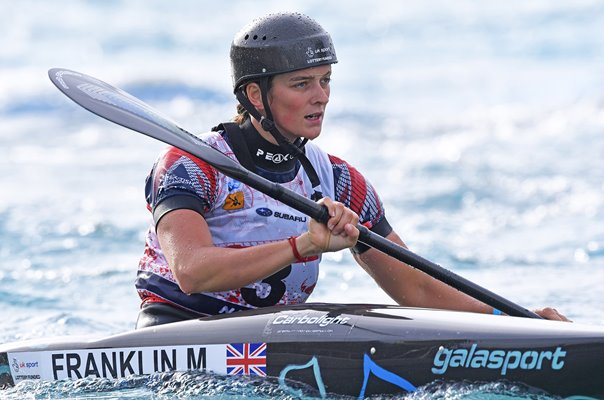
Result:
{"points": [[413, 288], [212, 269], [199, 266]]}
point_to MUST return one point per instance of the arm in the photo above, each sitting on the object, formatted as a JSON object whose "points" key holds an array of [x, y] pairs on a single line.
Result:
{"points": [[413, 288], [186, 241], [199, 266]]}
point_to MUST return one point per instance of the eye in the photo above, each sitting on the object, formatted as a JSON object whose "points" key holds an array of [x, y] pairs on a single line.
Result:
{"points": [[301, 84], [326, 81]]}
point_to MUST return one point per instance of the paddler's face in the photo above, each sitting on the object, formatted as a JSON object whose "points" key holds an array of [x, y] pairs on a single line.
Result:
{"points": [[298, 100]]}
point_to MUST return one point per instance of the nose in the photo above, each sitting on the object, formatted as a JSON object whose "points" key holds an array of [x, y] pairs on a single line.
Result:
{"points": [[320, 93]]}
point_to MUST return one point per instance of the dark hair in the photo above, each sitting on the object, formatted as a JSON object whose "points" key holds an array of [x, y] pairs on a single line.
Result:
{"points": [[242, 115]]}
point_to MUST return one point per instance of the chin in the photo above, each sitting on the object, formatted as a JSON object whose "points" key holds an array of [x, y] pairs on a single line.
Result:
{"points": [[311, 133]]}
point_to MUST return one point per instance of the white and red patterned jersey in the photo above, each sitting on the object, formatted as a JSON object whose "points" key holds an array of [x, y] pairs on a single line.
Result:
{"points": [[240, 216]]}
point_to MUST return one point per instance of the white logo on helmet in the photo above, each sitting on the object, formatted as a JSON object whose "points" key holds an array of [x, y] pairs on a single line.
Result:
{"points": [[320, 54]]}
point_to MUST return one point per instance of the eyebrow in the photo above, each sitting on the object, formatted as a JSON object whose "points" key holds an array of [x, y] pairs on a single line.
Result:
{"points": [[307, 77]]}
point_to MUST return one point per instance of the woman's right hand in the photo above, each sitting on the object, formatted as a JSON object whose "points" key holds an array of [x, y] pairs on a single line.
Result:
{"points": [[339, 233]]}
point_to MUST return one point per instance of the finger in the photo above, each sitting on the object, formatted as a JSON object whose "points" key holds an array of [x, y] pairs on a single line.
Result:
{"points": [[350, 225], [551, 314], [335, 211], [352, 233], [329, 204], [348, 217], [340, 216]]}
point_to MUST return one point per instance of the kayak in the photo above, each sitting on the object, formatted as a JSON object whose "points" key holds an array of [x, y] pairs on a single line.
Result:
{"points": [[346, 349]]}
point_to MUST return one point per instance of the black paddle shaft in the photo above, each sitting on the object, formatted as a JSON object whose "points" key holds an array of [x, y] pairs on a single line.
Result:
{"points": [[126, 110]]}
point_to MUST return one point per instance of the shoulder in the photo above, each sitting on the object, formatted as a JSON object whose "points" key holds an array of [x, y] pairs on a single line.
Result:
{"points": [[213, 137], [343, 170], [338, 162], [173, 155]]}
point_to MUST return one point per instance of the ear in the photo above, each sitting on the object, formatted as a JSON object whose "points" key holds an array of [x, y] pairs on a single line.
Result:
{"points": [[254, 94]]}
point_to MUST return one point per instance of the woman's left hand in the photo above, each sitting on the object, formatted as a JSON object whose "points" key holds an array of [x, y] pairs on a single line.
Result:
{"points": [[551, 314]]}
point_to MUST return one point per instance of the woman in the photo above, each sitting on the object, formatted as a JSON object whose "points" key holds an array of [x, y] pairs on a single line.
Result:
{"points": [[219, 246]]}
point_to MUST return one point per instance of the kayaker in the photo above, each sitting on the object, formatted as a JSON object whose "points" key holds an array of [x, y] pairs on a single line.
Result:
{"points": [[218, 246]]}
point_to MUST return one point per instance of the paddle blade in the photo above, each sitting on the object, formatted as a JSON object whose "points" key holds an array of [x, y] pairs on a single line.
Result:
{"points": [[126, 110]]}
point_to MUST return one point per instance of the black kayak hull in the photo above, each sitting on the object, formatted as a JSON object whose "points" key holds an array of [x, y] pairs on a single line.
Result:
{"points": [[345, 349]]}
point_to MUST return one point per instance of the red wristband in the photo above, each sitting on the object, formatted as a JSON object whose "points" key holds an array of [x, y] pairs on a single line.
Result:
{"points": [[292, 243]]}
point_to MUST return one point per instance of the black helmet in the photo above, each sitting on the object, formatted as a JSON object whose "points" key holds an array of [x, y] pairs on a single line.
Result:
{"points": [[279, 43], [276, 44]]}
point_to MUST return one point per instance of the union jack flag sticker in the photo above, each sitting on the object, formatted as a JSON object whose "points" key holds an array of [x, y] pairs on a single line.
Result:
{"points": [[246, 359]]}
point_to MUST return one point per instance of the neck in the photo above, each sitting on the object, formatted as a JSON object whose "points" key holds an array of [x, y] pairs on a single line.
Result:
{"points": [[267, 135]]}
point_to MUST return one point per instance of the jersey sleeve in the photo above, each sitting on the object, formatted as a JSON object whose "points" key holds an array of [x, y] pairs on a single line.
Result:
{"points": [[179, 180], [356, 193]]}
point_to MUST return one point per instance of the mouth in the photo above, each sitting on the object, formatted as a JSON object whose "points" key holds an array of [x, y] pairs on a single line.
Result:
{"points": [[314, 116]]}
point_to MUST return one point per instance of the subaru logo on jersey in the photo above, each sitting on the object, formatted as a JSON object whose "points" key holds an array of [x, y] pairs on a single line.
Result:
{"points": [[295, 218], [264, 212]]}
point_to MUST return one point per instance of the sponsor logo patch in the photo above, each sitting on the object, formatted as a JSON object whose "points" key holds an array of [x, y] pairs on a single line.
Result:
{"points": [[318, 54], [234, 201], [276, 158], [233, 185], [264, 212]]}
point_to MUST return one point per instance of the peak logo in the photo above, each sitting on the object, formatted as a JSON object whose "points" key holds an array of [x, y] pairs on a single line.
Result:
{"points": [[276, 158]]}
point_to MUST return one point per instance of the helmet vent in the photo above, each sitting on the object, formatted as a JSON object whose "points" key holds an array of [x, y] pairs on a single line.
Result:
{"points": [[255, 37]]}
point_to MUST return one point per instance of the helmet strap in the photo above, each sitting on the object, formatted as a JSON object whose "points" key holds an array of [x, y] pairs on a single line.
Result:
{"points": [[294, 149]]}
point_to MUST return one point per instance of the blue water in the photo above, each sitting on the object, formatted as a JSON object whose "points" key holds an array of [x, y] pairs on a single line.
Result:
{"points": [[480, 123]]}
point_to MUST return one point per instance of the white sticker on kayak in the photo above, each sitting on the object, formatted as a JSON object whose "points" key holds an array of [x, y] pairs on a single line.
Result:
{"points": [[115, 363]]}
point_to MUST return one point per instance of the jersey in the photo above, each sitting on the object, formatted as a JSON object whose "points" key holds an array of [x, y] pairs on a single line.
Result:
{"points": [[240, 216]]}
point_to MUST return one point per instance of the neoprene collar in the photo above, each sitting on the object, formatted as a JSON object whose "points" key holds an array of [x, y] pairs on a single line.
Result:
{"points": [[265, 154]]}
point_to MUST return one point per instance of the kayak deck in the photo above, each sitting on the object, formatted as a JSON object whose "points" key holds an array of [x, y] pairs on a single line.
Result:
{"points": [[351, 349]]}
